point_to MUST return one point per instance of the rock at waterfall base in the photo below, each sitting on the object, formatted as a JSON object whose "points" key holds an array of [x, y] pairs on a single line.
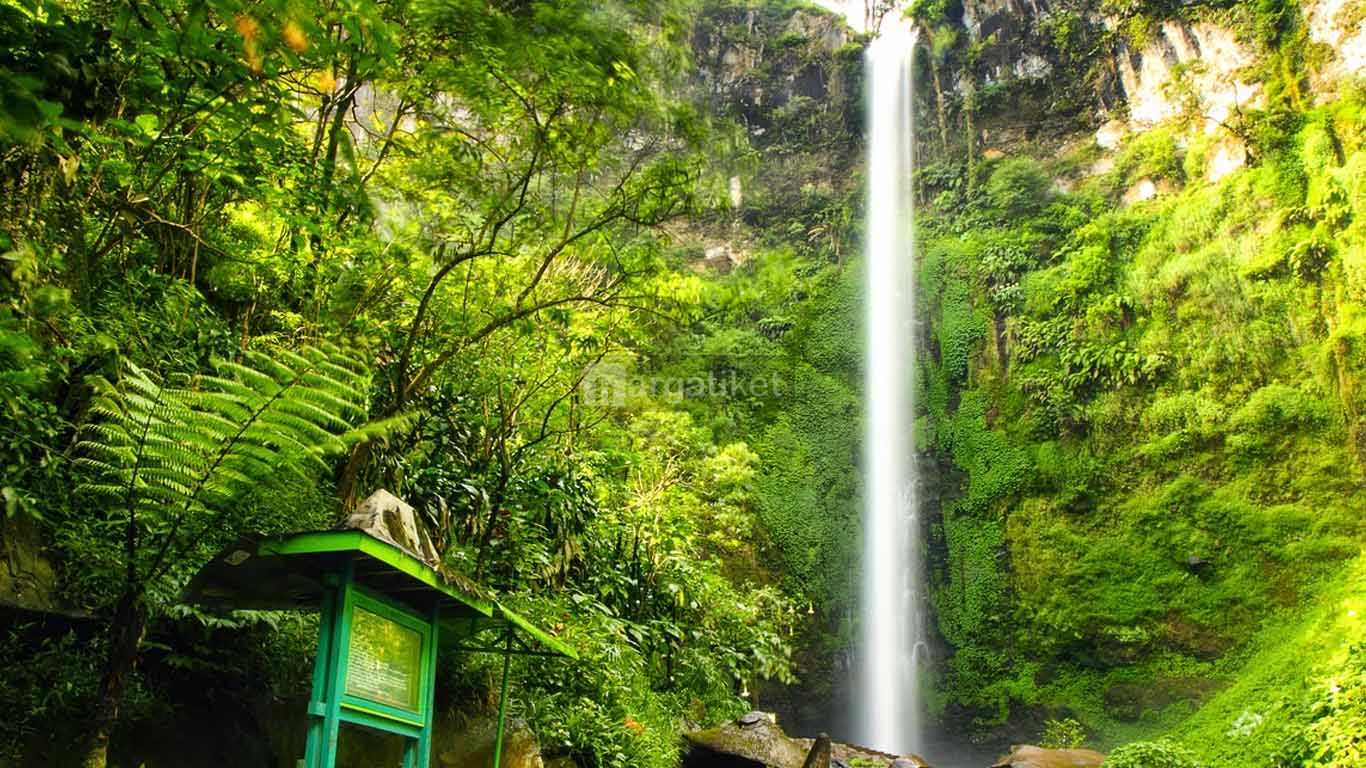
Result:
{"points": [[755, 740]]}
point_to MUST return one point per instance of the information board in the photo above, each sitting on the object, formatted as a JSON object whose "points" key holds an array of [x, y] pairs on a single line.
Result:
{"points": [[384, 663]]}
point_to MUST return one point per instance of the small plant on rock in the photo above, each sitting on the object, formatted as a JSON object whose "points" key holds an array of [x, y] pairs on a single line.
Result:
{"points": [[1063, 734]]}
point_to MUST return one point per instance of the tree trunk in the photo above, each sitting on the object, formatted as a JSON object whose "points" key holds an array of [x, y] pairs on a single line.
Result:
{"points": [[970, 106], [125, 639], [348, 485], [495, 506], [940, 107]]}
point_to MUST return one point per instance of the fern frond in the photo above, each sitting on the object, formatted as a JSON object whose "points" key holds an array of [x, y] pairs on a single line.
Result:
{"points": [[322, 398], [260, 384], [309, 434], [229, 387], [378, 428], [180, 458], [104, 490], [321, 417]]}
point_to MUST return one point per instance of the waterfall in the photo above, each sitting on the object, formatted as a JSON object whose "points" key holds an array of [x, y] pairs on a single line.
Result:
{"points": [[891, 622]]}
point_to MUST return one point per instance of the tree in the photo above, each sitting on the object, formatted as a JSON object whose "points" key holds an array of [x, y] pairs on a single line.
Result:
{"points": [[532, 179], [168, 464], [478, 195]]}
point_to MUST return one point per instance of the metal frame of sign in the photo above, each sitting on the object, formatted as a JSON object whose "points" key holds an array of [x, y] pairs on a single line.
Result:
{"points": [[330, 706]]}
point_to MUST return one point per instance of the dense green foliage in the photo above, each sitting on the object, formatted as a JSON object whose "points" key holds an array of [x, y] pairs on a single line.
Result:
{"points": [[1151, 754], [1062, 734], [577, 280], [472, 199]]}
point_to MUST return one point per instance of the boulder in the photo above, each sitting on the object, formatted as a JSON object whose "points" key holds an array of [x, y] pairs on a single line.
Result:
{"points": [[752, 740], [471, 746], [751, 719], [1225, 157], [1146, 189], [1027, 756], [1111, 134], [388, 518], [755, 740], [819, 756]]}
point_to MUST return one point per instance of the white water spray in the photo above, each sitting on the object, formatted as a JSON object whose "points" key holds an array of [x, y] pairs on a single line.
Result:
{"points": [[892, 640]]}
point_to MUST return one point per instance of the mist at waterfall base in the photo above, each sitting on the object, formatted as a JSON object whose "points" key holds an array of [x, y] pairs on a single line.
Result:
{"points": [[891, 644]]}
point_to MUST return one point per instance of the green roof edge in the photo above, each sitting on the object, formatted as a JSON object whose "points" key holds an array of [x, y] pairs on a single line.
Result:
{"points": [[539, 635], [359, 541]]}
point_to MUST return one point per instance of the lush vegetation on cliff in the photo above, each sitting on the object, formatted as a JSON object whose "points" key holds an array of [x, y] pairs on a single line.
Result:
{"points": [[1152, 413]]}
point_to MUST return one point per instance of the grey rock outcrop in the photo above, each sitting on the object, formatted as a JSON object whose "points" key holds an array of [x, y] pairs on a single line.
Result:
{"points": [[389, 518], [471, 746], [819, 756], [755, 740]]}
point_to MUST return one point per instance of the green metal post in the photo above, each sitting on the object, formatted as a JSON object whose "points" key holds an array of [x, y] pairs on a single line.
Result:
{"points": [[432, 649], [502, 702], [340, 653], [323, 672]]}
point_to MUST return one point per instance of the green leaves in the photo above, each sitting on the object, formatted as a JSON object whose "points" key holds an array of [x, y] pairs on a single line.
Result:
{"points": [[1336, 736], [23, 114], [1152, 754], [1063, 734], [172, 459]]}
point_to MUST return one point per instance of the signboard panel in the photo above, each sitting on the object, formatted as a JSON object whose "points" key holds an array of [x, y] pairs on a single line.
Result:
{"points": [[385, 661]]}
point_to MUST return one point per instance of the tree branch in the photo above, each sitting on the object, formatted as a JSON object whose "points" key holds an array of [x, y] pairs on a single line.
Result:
{"points": [[500, 322]]}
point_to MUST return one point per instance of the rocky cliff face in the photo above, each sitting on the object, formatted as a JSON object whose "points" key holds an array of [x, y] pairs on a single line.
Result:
{"points": [[1129, 108], [1199, 67], [1027, 69], [1004, 77], [1145, 70], [788, 75], [1340, 25], [996, 78], [788, 78]]}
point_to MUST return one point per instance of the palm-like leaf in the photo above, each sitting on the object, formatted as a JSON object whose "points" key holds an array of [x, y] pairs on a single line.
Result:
{"points": [[172, 460]]}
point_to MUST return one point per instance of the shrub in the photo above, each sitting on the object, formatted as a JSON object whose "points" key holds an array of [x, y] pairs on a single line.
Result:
{"points": [[1183, 411], [1152, 754], [1154, 154], [1336, 735], [1018, 186], [1278, 408], [1062, 734]]}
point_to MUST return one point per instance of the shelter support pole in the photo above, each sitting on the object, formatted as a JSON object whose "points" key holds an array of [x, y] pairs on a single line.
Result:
{"points": [[424, 741], [322, 677], [324, 705], [502, 702]]}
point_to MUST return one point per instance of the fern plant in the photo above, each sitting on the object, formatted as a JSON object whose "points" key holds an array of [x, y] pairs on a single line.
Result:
{"points": [[169, 462]]}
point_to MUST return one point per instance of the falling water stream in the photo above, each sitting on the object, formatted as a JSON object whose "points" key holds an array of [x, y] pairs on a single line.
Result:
{"points": [[892, 639]]}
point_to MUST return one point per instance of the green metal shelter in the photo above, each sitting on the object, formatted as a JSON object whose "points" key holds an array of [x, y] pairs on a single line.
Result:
{"points": [[384, 614]]}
